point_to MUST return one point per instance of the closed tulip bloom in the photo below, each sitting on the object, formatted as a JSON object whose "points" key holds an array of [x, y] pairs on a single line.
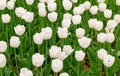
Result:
{"points": [[84, 42], [64, 74], [29, 2], [52, 6], [67, 4], [76, 19], [46, 33], [38, 60], [101, 54], [93, 10], [82, 8], [6, 18], [100, 1], [19, 30], [79, 55], [54, 51], [101, 37], [14, 41], [118, 2], [80, 32], [20, 11], [2, 4], [102, 7], [62, 56], [110, 37], [62, 32], [67, 16], [52, 16], [99, 25], [78, 10], [10, 5], [38, 38], [2, 60], [117, 18], [87, 5], [42, 12], [92, 23], [25, 72], [50, 1], [111, 24], [66, 23], [28, 17], [74, 1], [68, 49], [107, 13], [42, 1], [108, 60], [3, 46], [41, 5], [57, 65]]}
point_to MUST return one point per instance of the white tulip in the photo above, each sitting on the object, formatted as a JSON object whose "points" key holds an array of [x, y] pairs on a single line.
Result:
{"points": [[66, 23], [67, 4], [38, 60], [92, 23], [41, 5], [100, 1], [78, 10], [42, 1], [108, 60], [117, 18], [52, 16], [62, 56], [46, 33], [25, 72], [28, 17], [14, 41], [38, 38], [82, 8], [64, 74], [3, 46], [68, 49], [50, 1], [87, 5], [2, 60], [62, 32], [13, 0], [57, 65], [79, 55], [54, 51], [101, 37], [29, 2], [74, 1], [67, 16], [6, 18], [52, 6], [99, 25], [102, 7], [10, 5], [110, 37], [111, 24], [101, 53], [84, 42], [20, 11], [19, 30], [118, 2], [76, 19], [80, 32], [42, 12], [107, 13], [93, 10], [2, 4]]}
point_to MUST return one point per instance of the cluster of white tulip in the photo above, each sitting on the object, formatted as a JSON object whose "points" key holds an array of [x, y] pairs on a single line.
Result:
{"points": [[59, 55], [95, 24], [25, 72], [9, 4], [108, 60], [24, 14], [45, 34], [3, 48]]}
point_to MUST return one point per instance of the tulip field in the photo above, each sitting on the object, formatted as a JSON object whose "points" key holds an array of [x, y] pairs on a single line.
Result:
{"points": [[59, 37]]}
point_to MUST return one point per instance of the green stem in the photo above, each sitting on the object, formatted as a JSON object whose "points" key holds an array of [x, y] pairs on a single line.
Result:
{"points": [[55, 74], [107, 72], [78, 74], [1, 74], [15, 59], [37, 71]]}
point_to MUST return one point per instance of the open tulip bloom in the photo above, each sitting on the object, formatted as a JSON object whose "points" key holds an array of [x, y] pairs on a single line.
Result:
{"points": [[59, 37]]}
